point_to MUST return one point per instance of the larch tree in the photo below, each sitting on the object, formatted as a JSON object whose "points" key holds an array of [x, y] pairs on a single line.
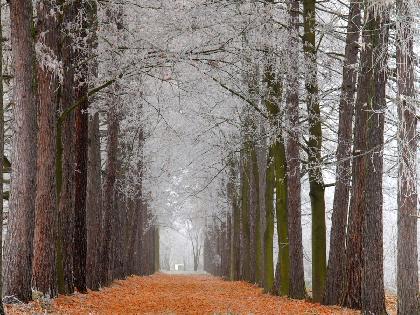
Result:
{"points": [[20, 229], [336, 261], [407, 256], [376, 39], [297, 281], [316, 182], [46, 214], [65, 155]]}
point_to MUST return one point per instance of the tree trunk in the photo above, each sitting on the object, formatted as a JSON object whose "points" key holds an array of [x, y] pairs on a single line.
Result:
{"points": [[316, 182], [373, 294], [81, 147], [255, 191], [66, 160], [245, 231], [109, 193], [94, 205], [235, 249], [407, 258], [46, 214], [297, 281], [281, 215], [269, 226], [18, 259], [336, 261]]}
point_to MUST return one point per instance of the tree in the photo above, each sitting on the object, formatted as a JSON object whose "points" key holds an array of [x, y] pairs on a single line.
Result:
{"points": [[297, 281], [316, 183], [376, 40], [46, 214], [336, 261], [18, 259], [94, 206], [109, 194], [407, 257], [235, 249], [269, 229], [66, 156]]}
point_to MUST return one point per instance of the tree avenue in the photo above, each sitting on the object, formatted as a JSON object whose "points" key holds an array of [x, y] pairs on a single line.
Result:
{"points": [[272, 142]]}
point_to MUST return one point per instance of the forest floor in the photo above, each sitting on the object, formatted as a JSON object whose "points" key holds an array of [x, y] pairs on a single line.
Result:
{"points": [[175, 294]]}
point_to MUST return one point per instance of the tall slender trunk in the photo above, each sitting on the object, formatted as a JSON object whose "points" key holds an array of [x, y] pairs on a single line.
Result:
{"points": [[65, 157], [272, 103], [316, 182], [336, 261], [245, 231], [94, 205], [235, 249], [81, 149], [407, 258], [46, 214], [373, 293], [18, 259], [281, 215], [109, 193], [255, 192], [269, 227], [297, 281]]}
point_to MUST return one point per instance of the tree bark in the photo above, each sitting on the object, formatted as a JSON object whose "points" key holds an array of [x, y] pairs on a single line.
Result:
{"points": [[245, 231], [109, 193], [94, 205], [46, 212], [297, 281], [316, 182], [235, 250], [373, 293], [66, 159], [269, 227], [336, 261], [18, 259], [255, 192], [281, 215], [407, 257]]}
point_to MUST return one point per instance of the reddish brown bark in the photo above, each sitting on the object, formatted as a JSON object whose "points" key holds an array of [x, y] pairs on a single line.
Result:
{"points": [[407, 258], [336, 261], [46, 212], [94, 205], [297, 281], [19, 239]]}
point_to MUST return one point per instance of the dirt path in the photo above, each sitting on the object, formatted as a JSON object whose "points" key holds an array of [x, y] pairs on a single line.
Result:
{"points": [[176, 294]]}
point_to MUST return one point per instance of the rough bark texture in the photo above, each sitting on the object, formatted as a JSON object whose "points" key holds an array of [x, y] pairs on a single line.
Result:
{"points": [[407, 258], [269, 225], [109, 193], [255, 193], [235, 249], [316, 183], [46, 212], [281, 215], [81, 148], [336, 261], [94, 205], [245, 231], [373, 293], [65, 160], [353, 265], [297, 281], [19, 239]]}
